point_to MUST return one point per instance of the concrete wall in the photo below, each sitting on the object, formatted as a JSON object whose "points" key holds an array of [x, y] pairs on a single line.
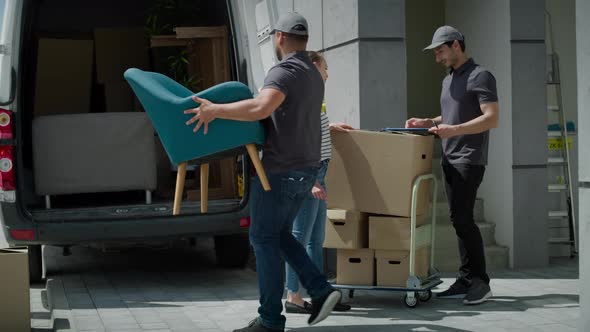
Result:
{"points": [[491, 48], [363, 42], [583, 82], [529, 121], [423, 17]]}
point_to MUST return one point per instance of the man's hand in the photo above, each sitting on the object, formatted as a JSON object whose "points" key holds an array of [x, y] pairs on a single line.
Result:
{"points": [[318, 191], [419, 123], [445, 131], [204, 114], [339, 126]]}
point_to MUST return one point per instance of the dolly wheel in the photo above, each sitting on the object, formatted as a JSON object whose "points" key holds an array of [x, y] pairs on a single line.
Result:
{"points": [[411, 301], [425, 295]]}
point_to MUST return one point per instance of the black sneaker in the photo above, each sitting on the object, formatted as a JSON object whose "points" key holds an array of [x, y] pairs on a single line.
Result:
{"points": [[479, 292], [256, 326], [321, 308], [292, 308], [457, 290]]}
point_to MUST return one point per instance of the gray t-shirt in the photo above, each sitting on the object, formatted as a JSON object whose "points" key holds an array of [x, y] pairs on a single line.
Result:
{"points": [[463, 90], [293, 133]]}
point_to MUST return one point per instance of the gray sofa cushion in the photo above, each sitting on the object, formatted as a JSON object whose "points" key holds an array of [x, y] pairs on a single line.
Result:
{"points": [[96, 152]]}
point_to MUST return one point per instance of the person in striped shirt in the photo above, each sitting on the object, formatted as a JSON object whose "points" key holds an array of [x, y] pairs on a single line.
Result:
{"points": [[309, 225]]}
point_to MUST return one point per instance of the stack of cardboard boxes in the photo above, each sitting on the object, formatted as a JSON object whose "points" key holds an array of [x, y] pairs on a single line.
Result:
{"points": [[369, 185]]}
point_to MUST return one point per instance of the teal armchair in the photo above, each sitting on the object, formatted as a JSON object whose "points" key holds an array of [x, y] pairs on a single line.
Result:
{"points": [[164, 101]]}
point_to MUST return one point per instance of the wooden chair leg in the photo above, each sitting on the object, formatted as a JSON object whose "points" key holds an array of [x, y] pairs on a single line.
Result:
{"points": [[180, 176], [253, 153], [204, 187]]}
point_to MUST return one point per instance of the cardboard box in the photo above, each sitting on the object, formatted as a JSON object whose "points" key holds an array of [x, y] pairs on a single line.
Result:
{"points": [[346, 230], [118, 50], [393, 233], [15, 309], [119, 97], [64, 76], [374, 171], [393, 266], [355, 267]]}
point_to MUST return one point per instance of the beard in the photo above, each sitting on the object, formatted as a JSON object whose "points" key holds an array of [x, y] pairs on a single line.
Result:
{"points": [[278, 53]]}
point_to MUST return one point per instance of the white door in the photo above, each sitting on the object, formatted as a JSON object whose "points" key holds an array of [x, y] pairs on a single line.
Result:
{"points": [[253, 21], [10, 29]]}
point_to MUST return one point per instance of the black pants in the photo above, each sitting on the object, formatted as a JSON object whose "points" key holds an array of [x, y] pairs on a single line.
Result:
{"points": [[461, 184]]}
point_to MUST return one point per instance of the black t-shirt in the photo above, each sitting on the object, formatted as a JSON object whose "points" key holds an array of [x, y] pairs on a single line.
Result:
{"points": [[463, 90], [293, 131]]}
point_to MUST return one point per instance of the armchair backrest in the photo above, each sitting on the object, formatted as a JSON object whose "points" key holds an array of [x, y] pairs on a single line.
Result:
{"points": [[165, 100]]}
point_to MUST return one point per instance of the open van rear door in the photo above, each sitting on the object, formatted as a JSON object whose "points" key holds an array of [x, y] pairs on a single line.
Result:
{"points": [[10, 28], [253, 21]]}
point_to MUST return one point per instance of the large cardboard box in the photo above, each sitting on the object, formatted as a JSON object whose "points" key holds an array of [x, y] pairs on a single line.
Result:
{"points": [[355, 267], [15, 308], [393, 266], [346, 229], [393, 233], [118, 49], [374, 171], [64, 76]]}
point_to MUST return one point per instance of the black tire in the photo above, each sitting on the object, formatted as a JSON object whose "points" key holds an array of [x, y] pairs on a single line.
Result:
{"points": [[232, 250], [35, 263], [425, 296]]}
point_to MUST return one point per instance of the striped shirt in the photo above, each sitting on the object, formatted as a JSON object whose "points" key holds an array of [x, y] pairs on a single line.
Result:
{"points": [[326, 151]]}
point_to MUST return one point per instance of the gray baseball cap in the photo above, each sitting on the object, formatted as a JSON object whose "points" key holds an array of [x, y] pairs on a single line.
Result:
{"points": [[292, 23], [442, 35]]}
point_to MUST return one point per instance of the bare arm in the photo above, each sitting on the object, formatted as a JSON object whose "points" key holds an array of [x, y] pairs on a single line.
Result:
{"points": [[423, 123], [255, 109], [340, 126], [484, 122]]}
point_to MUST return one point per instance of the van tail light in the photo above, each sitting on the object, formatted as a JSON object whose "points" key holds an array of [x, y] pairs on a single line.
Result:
{"points": [[6, 151], [23, 234], [245, 222], [5, 124]]}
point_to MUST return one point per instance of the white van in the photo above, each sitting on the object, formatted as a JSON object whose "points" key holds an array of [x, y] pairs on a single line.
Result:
{"points": [[35, 148]]}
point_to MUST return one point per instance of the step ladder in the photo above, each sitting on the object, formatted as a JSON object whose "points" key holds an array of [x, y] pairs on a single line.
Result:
{"points": [[560, 141]]}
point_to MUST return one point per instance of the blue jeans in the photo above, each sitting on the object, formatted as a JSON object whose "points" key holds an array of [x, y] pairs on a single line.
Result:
{"points": [[272, 214], [309, 228]]}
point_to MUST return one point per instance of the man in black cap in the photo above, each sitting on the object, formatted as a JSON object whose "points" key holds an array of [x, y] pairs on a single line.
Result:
{"points": [[289, 104], [469, 105]]}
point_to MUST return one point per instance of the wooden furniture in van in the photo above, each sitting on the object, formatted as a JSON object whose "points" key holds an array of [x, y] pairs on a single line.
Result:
{"points": [[208, 60]]}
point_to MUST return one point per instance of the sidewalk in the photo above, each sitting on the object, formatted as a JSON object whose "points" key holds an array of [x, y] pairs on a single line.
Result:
{"points": [[181, 291]]}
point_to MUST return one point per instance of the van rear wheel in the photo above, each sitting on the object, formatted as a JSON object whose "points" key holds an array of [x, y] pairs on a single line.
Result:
{"points": [[232, 250], [35, 263]]}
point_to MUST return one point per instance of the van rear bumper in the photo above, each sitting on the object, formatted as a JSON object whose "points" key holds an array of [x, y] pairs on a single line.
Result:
{"points": [[136, 230]]}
